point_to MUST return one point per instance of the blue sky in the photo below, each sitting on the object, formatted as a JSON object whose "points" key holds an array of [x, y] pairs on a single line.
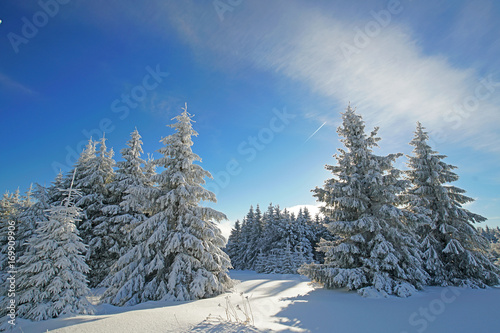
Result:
{"points": [[260, 77]]}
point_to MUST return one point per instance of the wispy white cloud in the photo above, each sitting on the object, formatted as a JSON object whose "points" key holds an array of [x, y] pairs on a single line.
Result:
{"points": [[391, 80]]}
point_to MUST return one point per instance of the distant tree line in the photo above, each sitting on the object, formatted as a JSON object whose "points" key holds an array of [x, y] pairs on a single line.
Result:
{"points": [[276, 241]]}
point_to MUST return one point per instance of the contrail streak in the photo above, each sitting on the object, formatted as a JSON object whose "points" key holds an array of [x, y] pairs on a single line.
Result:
{"points": [[316, 131]]}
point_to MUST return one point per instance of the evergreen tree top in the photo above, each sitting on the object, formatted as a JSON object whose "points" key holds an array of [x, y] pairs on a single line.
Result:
{"points": [[103, 150], [88, 153], [180, 173], [353, 131], [421, 148], [134, 146], [72, 193], [427, 170], [132, 164], [362, 181], [183, 134]]}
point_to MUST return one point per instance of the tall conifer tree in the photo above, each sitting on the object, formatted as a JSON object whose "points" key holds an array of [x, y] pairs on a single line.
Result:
{"points": [[180, 255], [52, 277], [453, 251], [376, 251], [96, 172], [125, 210]]}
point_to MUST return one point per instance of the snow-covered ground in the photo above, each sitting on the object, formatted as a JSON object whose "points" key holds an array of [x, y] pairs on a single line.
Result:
{"points": [[288, 303]]}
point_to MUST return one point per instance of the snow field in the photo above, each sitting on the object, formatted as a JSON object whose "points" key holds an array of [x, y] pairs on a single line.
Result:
{"points": [[267, 293], [288, 303]]}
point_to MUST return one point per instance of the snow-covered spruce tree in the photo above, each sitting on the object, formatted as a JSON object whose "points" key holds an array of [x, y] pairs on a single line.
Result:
{"points": [[288, 260], [33, 212], [278, 261], [318, 225], [148, 189], [25, 216], [78, 176], [273, 228], [82, 167], [51, 279], [13, 232], [454, 252], [291, 246], [251, 233], [257, 232], [150, 170], [54, 194], [300, 236], [376, 251], [124, 210], [245, 250], [240, 253], [233, 245], [96, 172], [311, 229], [269, 262], [18, 218], [263, 263], [180, 255], [37, 212]]}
